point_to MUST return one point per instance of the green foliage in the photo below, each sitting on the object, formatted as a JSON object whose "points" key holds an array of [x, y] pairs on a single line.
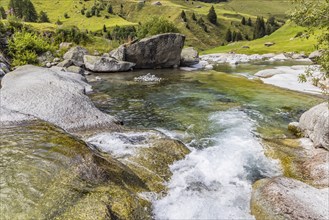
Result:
{"points": [[23, 9], [43, 17], [249, 23], [123, 33], [212, 16], [243, 21], [194, 17], [110, 9], [104, 28], [71, 34], [201, 23], [24, 47], [260, 29], [183, 16], [156, 26], [228, 36], [3, 14], [314, 15]]}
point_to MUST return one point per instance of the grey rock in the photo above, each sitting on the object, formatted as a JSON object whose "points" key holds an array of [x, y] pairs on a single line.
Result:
{"points": [[45, 58], [56, 60], [315, 55], [75, 69], [119, 53], [159, 51], [245, 47], [268, 73], [314, 123], [48, 65], [10, 117], [157, 3], [297, 56], [2, 72], [65, 63], [4, 67], [106, 64], [285, 198], [54, 96], [75, 54], [189, 57]]}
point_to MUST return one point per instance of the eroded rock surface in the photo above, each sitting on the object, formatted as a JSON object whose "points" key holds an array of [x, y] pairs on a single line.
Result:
{"points": [[106, 64]]}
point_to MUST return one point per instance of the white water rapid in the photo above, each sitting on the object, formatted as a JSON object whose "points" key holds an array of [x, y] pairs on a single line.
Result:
{"points": [[216, 182]]}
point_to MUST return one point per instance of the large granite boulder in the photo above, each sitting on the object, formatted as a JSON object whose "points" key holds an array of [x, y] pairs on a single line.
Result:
{"points": [[75, 54], [314, 123], [159, 51], [285, 198], [106, 64], [54, 96], [189, 57]]}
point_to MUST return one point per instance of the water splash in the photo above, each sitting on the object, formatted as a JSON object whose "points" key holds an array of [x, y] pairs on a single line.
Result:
{"points": [[216, 182]]}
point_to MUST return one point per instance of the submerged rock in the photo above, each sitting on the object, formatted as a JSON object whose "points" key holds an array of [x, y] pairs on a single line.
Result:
{"points": [[189, 57], [54, 96], [106, 64], [159, 51], [285, 198], [314, 123], [147, 78]]}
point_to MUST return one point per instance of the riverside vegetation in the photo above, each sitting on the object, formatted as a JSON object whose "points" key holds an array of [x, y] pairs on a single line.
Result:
{"points": [[217, 136]]}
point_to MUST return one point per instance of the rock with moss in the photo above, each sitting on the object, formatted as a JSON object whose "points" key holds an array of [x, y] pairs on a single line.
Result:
{"points": [[189, 57], [295, 129], [281, 198], [314, 123]]}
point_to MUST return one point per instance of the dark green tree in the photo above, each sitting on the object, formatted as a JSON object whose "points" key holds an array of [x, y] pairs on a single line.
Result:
{"points": [[243, 21], [194, 17], [66, 15], [110, 9], [29, 12], [260, 29], [238, 36], [233, 36], [249, 23], [212, 16], [43, 17], [16, 8], [228, 36], [104, 28], [183, 16], [3, 14]]}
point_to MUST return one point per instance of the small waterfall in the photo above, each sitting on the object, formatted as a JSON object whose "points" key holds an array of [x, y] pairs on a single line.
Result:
{"points": [[216, 182]]}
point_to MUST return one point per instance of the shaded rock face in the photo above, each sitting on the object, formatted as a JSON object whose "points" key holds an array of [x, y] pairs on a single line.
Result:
{"points": [[54, 96], [285, 198], [106, 64], [4, 65], [314, 123], [119, 53], [159, 51], [189, 57], [315, 55], [75, 54]]}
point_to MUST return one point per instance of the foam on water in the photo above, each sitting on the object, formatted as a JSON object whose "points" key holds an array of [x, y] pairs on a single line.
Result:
{"points": [[122, 144], [216, 182]]}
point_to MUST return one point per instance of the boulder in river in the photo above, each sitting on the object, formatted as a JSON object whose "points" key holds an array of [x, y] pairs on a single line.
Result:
{"points": [[75, 54], [268, 73], [286, 198], [189, 57], [106, 64], [54, 96], [314, 123], [159, 51], [315, 55]]}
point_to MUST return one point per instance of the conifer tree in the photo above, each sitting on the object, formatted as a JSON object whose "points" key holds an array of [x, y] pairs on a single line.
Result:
{"points": [[183, 16], [243, 21], [3, 14], [228, 36], [260, 29], [43, 17], [110, 9], [29, 12], [212, 16], [249, 23], [238, 36], [16, 8], [233, 36], [194, 17], [104, 28]]}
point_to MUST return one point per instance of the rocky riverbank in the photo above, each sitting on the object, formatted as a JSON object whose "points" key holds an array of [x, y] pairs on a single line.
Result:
{"points": [[308, 197], [34, 96]]}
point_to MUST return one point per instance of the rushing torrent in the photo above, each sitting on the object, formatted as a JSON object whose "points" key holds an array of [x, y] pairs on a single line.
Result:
{"points": [[216, 182]]}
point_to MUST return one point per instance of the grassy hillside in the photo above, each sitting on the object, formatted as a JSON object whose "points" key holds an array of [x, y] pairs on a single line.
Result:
{"points": [[229, 14], [285, 41]]}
